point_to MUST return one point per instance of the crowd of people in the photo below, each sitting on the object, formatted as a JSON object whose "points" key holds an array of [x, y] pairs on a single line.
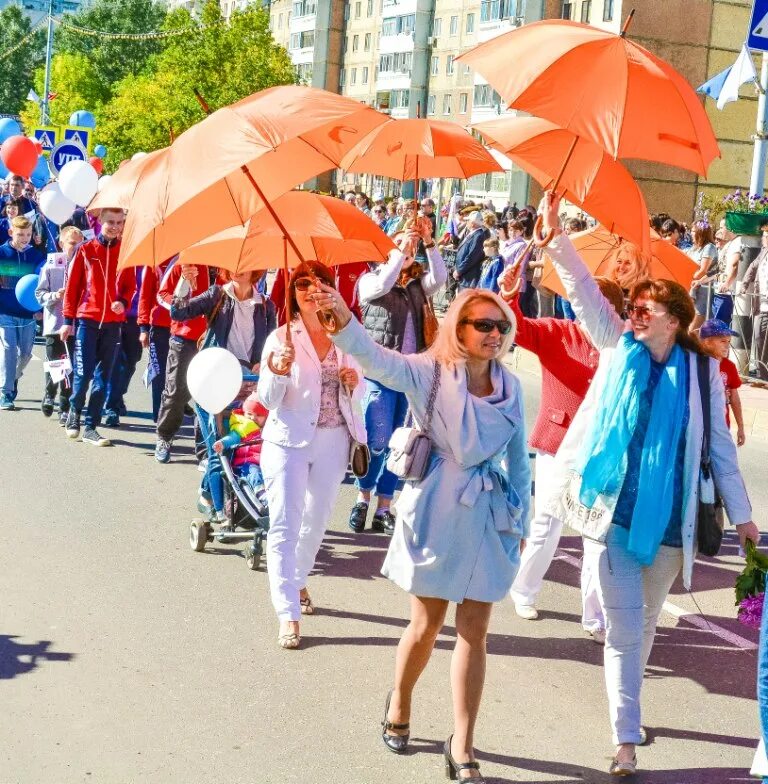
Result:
{"points": [[630, 368]]}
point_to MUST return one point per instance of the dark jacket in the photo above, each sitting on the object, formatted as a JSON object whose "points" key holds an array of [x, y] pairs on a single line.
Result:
{"points": [[469, 258], [264, 318], [384, 319]]}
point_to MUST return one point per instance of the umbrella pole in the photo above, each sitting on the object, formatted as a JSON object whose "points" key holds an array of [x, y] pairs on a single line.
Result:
{"points": [[624, 29], [540, 240]]}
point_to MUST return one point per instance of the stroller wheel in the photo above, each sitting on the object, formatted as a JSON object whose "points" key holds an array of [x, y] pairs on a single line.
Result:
{"points": [[252, 558], [198, 535]]}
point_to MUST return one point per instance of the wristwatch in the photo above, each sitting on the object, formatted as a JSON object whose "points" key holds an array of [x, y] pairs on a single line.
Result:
{"points": [[431, 245]]}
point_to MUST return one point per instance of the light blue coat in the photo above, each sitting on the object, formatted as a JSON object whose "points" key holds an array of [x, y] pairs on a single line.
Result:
{"points": [[458, 530]]}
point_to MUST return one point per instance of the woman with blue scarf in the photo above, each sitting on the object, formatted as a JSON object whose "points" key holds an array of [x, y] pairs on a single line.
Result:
{"points": [[628, 468]]}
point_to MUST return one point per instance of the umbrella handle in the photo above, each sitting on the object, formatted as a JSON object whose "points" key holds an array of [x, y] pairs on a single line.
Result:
{"points": [[328, 320], [270, 359], [541, 240]]}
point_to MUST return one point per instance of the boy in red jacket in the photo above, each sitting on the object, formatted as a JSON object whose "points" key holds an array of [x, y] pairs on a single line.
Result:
{"points": [[97, 296]]}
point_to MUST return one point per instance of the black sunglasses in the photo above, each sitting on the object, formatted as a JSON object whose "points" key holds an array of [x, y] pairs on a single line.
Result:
{"points": [[303, 284], [487, 325]]}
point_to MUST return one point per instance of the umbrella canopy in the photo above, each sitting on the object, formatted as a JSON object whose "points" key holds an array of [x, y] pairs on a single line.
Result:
{"points": [[323, 228], [118, 192], [602, 86], [218, 173], [587, 175], [596, 249], [417, 149]]}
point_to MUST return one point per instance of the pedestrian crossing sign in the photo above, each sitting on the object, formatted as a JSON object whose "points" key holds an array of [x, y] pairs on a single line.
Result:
{"points": [[81, 136], [758, 27], [48, 137]]}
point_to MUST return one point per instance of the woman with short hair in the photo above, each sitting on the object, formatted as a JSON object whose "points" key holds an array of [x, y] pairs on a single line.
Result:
{"points": [[458, 529], [704, 253]]}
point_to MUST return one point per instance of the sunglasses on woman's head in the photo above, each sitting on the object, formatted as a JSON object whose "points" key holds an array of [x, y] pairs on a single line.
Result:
{"points": [[487, 325]]}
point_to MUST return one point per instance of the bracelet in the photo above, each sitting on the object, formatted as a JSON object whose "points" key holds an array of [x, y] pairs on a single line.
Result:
{"points": [[431, 245]]}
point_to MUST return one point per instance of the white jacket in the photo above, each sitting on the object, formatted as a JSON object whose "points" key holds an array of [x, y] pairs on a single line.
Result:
{"points": [[604, 327], [294, 400]]}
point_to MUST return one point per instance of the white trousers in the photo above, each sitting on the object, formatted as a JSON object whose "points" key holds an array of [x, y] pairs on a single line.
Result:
{"points": [[540, 549], [633, 596], [301, 486]]}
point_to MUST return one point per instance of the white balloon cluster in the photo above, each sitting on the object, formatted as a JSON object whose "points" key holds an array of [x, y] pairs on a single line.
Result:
{"points": [[214, 378], [77, 185], [55, 205]]}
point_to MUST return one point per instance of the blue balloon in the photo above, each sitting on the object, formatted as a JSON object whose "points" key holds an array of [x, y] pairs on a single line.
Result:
{"points": [[41, 174], [83, 119], [100, 151], [25, 293], [3, 170], [9, 127]]}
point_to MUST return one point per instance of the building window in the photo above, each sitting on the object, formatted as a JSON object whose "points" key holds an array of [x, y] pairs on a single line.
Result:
{"points": [[342, 76], [430, 104], [304, 8], [463, 100], [400, 99], [353, 76], [304, 73], [486, 97], [358, 9], [346, 12], [567, 10], [467, 70], [302, 40], [449, 65], [454, 26], [280, 22], [397, 62], [365, 74], [496, 10], [345, 45], [355, 42], [470, 23], [370, 8], [447, 104], [437, 27], [586, 10], [435, 65], [398, 25], [367, 42], [608, 11]]}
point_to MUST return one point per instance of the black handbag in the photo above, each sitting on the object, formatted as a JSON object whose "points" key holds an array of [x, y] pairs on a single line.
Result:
{"points": [[710, 520]]}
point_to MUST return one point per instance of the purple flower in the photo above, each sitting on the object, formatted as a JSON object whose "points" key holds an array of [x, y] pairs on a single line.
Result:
{"points": [[751, 611]]}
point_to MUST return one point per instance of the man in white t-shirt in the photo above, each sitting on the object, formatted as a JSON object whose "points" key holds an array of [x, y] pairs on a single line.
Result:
{"points": [[722, 302]]}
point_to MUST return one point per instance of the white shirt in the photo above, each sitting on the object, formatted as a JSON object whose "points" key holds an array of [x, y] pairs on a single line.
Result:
{"points": [[376, 284], [242, 332]]}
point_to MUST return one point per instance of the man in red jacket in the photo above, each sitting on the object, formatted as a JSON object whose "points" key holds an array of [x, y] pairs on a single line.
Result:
{"points": [[182, 348], [97, 296], [154, 320]]}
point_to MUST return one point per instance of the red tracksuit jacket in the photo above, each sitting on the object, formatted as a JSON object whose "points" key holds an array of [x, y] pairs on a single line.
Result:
{"points": [[151, 312], [194, 328]]}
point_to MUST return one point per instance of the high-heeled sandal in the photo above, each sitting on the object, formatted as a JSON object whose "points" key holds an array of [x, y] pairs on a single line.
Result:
{"points": [[453, 768], [307, 608], [628, 768], [289, 642], [395, 743]]}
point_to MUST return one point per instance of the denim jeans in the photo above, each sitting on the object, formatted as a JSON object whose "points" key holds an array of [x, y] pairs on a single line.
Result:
{"points": [[632, 598], [722, 308], [17, 336], [158, 338], [124, 367], [384, 410], [95, 350]]}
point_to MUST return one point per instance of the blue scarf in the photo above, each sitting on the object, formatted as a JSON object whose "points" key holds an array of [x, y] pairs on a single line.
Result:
{"points": [[602, 462]]}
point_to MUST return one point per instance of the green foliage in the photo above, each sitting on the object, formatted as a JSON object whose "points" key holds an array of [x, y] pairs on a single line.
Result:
{"points": [[751, 581], [16, 70]]}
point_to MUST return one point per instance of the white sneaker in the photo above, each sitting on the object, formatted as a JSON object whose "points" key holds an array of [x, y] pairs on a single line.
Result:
{"points": [[527, 611], [598, 636]]}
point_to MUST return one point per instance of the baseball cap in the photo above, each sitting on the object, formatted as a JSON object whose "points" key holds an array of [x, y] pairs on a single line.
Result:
{"points": [[714, 328]]}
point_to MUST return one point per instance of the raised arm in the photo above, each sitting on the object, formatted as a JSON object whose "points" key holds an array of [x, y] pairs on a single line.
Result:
{"points": [[183, 309], [436, 274], [380, 281]]}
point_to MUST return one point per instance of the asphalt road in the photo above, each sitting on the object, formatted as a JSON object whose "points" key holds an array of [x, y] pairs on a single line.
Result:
{"points": [[126, 657]]}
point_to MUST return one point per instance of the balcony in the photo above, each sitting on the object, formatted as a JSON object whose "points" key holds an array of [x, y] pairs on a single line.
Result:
{"points": [[499, 16]]}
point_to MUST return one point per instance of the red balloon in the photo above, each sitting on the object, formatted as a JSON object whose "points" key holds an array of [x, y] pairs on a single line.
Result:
{"points": [[97, 164], [19, 155], [38, 145]]}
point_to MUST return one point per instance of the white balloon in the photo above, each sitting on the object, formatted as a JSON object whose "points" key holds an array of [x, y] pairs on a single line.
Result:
{"points": [[79, 182], [138, 155], [55, 205], [103, 182], [214, 378]]}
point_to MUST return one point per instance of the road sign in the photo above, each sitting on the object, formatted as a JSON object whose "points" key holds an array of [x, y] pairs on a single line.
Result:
{"points": [[47, 136], [81, 136], [63, 153], [758, 27]]}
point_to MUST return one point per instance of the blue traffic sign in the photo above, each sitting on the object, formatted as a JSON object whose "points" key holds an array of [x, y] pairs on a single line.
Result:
{"points": [[758, 27], [63, 153], [80, 135], [47, 137]]}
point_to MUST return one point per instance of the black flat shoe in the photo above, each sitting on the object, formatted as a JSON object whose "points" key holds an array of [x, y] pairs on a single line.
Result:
{"points": [[453, 768], [395, 743], [383, 522], [358, 516]]}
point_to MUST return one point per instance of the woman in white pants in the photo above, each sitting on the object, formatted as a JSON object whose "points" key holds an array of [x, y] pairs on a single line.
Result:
{"points": [[313, 397]]}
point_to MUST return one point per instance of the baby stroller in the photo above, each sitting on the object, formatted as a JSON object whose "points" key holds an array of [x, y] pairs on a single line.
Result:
{"points": [[247, 516]]}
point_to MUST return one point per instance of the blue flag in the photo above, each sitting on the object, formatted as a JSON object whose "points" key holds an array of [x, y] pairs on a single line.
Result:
{"points": [[713, 87]]}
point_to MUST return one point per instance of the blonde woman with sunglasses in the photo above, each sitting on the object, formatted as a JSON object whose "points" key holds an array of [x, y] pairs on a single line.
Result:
{"points": [[458, 530]]}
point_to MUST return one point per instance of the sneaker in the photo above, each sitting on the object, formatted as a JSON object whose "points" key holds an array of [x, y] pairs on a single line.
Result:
{"points": [[111, 419], [163, 451], [91, 436], [47, 406], [358, 516], [598, 636], [204, 504], [63, 418], [527, 611], [383, 522], [72, 424], [6, 403]]}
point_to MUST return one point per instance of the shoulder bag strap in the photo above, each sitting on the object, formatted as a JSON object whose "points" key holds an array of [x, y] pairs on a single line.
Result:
{"points": [[702, 366], [431, 400]]}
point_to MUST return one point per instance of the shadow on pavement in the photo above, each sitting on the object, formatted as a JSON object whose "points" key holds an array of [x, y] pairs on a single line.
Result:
{"points": [[20, 658]]}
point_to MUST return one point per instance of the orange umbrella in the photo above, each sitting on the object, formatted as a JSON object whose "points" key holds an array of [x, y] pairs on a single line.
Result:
{"points": [[322, 228], [587, 175], [601, 86], [596, 248], [221, 171], [119, 191], [420, 148]]}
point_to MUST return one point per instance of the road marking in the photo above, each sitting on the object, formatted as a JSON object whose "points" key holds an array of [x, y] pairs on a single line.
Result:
{"points": [[699, 621]]}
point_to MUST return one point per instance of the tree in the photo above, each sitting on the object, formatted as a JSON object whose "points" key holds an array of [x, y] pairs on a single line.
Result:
{"points": [[112, 59], [76, 84], [16, 68], [224, 61]]}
